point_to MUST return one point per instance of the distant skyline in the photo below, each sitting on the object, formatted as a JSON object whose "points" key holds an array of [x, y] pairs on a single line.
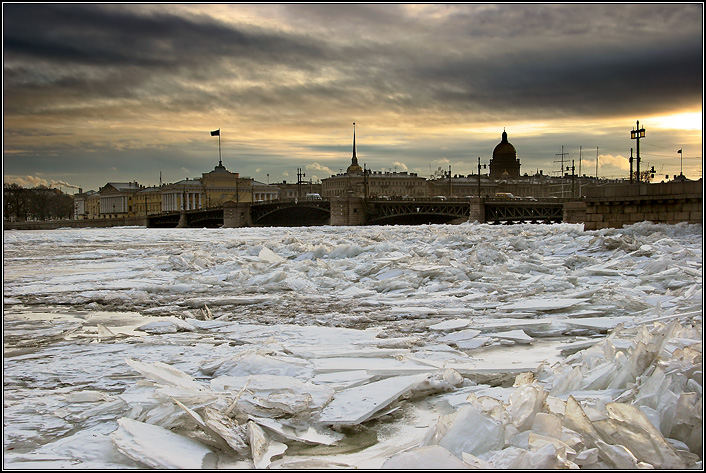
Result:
{"points": [[97, 93]]}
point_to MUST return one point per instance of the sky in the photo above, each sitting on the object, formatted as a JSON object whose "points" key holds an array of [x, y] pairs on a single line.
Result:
{"points": [[97, 93]]}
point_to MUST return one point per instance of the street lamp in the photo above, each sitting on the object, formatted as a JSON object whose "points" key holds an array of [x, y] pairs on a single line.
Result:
{"points": [[636, 134], [479, 166], [573, 177]]}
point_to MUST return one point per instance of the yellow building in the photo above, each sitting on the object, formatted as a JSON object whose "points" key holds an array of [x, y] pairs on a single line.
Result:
{"points": [[86, 205], [187, 194], [221, 185], [116, 199], [147, 201], [93, 205]]}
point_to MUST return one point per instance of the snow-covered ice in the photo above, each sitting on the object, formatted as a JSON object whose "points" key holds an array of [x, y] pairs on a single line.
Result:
{"points": [[354, 347]]}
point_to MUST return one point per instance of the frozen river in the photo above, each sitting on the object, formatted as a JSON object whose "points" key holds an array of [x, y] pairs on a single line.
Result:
{"points": [[440, 346]]}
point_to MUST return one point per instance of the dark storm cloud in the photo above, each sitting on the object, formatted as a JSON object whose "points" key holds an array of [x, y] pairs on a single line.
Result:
{"points": [[578, 81], [100, 36], [313, 68], [98, 52], [60, 53]]}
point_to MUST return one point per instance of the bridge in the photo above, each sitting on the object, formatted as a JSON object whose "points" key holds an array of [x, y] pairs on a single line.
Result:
{"points": [[602, 206], [361, 211], [551, 211], [358, 211], [273, 214]]}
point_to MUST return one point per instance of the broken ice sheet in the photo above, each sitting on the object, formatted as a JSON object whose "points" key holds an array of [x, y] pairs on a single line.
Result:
{"points": [[170, 325], [339, 380], [309, 435], [262, 446], [461, 335], [355, 405], [542, 304], [601, 324], [467, 430], [282, 393], [450, 324], [159, 448], [518, 336], [165, 374]]}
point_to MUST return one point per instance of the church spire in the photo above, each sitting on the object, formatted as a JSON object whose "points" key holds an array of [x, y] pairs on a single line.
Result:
{"points": [[355, 158], [354, 168]]}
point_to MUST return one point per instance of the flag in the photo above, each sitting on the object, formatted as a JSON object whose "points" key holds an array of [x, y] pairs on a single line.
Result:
{"points": [[216, 132], [679, 151]]}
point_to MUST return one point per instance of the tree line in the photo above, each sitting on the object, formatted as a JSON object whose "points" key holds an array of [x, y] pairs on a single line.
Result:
{"points": [[38, 203]]}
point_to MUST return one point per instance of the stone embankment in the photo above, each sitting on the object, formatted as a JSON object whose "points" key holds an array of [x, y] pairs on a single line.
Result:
{"points": [[615, 205]]}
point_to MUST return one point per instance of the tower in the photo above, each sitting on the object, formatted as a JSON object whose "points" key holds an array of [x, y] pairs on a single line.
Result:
{"points": [[354, 168]]}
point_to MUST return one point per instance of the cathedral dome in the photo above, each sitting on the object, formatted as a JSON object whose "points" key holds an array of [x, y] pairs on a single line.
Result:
{"points": [[504, 147], [504, 162]]}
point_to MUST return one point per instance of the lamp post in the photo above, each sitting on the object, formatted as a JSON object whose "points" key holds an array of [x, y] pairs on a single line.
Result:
{"points": [[636, 134], [450, 191], [479, 166], [573, 178], [300, 174]]}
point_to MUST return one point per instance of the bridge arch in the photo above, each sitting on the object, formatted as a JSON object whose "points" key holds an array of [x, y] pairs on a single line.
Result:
{"points": [[291, 214]]}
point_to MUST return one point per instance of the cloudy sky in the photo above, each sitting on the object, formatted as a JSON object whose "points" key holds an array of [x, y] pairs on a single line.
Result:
{"points": [[112, 92]]}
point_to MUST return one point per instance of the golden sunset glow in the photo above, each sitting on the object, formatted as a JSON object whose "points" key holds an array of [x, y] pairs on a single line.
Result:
{"points": [[687, 121]]}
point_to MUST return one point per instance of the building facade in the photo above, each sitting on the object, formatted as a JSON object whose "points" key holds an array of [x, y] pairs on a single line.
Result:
{"points": [[221, 185], [187, 194], [147, 201], [116, 199], [264, 192]]}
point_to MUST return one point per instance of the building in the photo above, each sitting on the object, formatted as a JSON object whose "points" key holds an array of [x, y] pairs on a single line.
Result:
{"points": [[221, 185], [116, 199], [462, 186], [366, 183], [147, 201], [293, 191], [262, 192], [187, 194], [504, 162], [86, 205]]}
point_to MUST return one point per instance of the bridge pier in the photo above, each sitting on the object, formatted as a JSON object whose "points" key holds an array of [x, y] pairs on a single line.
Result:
{"points": [[236, 214], [182, 220], [477, 211], [574, 212], [348, 210]]}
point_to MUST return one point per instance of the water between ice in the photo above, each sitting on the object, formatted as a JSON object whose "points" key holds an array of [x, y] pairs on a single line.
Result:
{"points": [[353, 347]]}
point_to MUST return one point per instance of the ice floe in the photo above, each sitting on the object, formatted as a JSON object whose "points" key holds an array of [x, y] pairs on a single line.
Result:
{"points": [[430, 347]]}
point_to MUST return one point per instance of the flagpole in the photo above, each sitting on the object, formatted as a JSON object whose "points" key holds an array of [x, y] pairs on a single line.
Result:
{"points": [[220, 163]]}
